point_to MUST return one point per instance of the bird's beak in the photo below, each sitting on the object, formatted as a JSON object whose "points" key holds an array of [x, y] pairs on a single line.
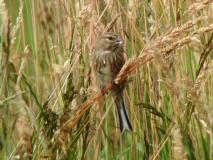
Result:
{"points": [[119, 41]]}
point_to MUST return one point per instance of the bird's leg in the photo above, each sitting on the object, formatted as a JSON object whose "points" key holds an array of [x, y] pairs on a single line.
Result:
{"points": [[106, 88], [103, 91]]}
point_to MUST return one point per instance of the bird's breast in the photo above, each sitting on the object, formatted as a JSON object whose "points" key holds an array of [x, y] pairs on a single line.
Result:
{"points": [[107, 65], [105, 74]]}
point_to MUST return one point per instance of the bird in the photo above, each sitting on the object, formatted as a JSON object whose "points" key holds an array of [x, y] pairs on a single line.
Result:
{"points": [[108, 59]]}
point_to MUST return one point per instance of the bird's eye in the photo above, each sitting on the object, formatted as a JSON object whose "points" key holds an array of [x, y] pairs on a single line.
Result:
{"points": [[110, 38]]}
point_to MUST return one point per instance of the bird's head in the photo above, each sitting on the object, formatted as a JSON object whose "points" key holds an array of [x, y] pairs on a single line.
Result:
{"points": [[109, 42]]}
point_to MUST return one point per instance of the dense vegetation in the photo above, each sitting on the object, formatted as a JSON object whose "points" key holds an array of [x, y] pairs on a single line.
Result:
{"points": [[50, 107]]}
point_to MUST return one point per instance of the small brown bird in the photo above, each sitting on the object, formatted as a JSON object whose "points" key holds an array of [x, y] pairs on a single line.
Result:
{"points": [[108, 59]]}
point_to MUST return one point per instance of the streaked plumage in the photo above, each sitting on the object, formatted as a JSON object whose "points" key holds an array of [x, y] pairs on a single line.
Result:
{"points": [[108, 59]]}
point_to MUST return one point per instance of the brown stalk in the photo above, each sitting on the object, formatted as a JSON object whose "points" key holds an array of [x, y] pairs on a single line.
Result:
{"points": [[22, 125], [197, 6], [5, 59]]}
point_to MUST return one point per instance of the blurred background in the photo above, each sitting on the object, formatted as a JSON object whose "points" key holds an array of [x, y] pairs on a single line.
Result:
{"points": [[49, 108]]}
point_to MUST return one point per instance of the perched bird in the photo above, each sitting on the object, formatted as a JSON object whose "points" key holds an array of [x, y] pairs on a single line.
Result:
{"points": [[108, 59]]}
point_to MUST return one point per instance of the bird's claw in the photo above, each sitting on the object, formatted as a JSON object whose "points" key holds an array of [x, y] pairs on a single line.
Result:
{"points": [[105, 89]]}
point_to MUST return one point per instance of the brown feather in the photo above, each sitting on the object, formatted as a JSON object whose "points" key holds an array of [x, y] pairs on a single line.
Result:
{"points": [[108, 59]]}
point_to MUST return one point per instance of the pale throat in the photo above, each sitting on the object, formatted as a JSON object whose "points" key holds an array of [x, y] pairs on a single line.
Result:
{"points": [[104, 53]]}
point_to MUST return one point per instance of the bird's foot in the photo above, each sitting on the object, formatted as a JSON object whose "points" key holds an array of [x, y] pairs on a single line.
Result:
{"points": [[105, 89]]}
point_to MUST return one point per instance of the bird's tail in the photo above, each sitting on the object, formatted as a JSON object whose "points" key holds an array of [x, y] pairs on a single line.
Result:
{"points": [[122, 114]]}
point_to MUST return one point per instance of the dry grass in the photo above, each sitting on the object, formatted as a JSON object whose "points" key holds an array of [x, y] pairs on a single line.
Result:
{"points": [[49, 103]]}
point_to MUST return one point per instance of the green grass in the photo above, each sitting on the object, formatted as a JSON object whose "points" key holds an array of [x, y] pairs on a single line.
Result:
{"points": [[46, 76]]}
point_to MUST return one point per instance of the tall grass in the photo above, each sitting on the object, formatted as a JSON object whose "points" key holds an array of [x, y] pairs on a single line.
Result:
{"points": [[50, 107]]}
